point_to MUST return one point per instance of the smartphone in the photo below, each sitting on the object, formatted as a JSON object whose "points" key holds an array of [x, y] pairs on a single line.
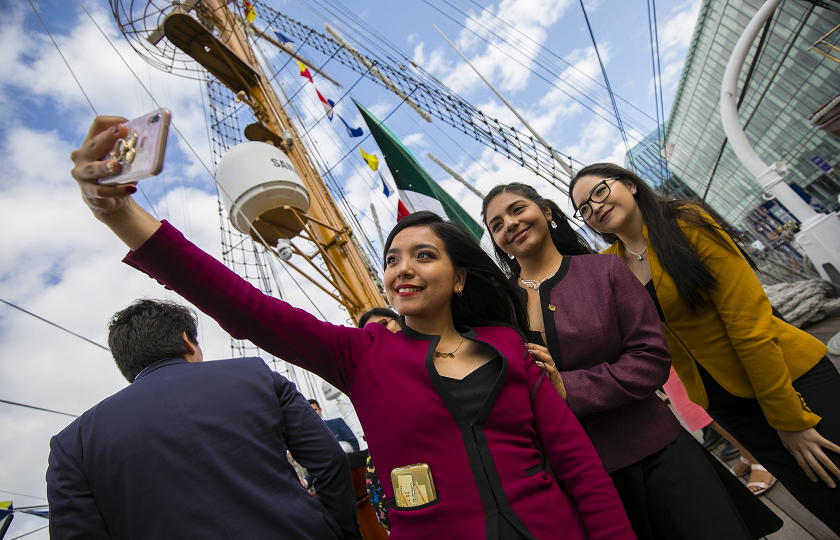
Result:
{"points": [[413, 485], [142, 150]]}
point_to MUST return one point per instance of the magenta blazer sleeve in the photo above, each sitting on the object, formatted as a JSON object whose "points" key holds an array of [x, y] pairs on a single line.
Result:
{"points": [[575, 462], [641, 363], [332, 352]]}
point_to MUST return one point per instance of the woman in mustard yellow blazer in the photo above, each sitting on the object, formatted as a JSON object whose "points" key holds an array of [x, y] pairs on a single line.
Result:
{"points": [[767, 383]]}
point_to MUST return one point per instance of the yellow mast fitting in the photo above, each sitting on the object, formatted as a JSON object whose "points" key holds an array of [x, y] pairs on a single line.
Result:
{"points": [[230, 59]]}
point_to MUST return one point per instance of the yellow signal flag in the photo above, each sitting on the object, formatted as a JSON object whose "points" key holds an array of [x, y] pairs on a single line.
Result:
{"points": [[373, 161], [252, 14]]}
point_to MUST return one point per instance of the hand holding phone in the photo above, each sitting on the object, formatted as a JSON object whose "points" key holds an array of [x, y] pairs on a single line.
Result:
{"points": [[141, 151]]}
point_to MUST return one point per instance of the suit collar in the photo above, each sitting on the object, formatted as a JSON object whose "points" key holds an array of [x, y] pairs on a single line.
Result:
{"points": [[159, 364]]}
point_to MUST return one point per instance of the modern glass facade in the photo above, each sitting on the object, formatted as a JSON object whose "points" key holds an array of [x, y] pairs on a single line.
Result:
{"points": [[655, 171], [788, 83]]}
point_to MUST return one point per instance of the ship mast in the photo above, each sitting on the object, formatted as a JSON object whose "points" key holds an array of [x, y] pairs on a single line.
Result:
{"points": [[228, 56]]}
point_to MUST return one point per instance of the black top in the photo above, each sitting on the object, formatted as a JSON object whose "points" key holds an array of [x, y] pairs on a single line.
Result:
{"points": [[471, 392], [536, 338], [652, 290]]}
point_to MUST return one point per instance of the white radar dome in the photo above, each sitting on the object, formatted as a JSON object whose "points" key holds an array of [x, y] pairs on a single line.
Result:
{"points": [[257, 181]]}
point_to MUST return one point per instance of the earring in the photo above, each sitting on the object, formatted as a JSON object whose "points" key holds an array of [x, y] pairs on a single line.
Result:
{"points": [[553, 224], [460, 292], [511, 256]]}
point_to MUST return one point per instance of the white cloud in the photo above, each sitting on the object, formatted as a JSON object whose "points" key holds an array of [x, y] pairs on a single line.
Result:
{"points": [[677, 29], [502, 42], [58, 261], [416, 140]]}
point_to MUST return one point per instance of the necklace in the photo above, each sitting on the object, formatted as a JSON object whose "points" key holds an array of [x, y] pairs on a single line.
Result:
{"points": [[639, 254], [449, 354], [533, 283]]}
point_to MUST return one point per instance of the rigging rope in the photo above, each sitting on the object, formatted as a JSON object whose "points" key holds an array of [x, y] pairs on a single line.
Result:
{"points": [[63, 58], [507, 42], [56, 325], [434, 98], [37, 409], [558, 57], [22, 494], [609, 89], [657, 87], [30, 532]]}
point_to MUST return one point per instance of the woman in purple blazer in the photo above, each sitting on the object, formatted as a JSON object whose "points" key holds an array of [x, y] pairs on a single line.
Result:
{"points": [[455, 389], [593, 318]]}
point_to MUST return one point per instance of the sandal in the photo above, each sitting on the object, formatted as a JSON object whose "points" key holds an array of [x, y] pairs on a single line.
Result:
{"points": [[744, 461], [764, 486]]}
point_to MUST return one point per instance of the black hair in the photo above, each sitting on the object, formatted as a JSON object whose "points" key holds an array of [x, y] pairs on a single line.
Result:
{"points": [[377, 311], [314, 402], [149, 331], [564, 237], [662, 216], [488, 298]]}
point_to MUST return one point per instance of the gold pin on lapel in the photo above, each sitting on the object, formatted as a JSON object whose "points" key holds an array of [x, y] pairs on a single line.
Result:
{"points": [[551, 308]]}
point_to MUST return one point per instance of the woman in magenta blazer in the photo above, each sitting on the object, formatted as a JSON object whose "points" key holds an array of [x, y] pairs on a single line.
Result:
{"points": [[455, 389], [602, 331]]}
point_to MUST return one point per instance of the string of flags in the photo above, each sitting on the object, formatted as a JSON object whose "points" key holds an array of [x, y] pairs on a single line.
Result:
{"points": [[329, 105], [250, 12], [282, 38], [6, 508], [373, 163]]}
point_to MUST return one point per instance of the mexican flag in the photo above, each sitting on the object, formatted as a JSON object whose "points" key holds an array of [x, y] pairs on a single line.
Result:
{"points": [[417, 190]]}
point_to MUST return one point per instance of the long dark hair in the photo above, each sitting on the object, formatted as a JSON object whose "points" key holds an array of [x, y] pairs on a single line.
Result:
{"points": [[488, 298], [565, 239], [691, 276]]}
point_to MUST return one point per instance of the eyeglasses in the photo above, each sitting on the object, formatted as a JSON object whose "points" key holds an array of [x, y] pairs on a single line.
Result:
{"points": [[599, 194]]}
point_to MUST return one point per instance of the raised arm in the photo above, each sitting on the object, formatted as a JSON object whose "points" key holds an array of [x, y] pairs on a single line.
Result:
{"points": [[747, 316], [112, 205], [644, 362], [575, 462], [746, 313], [242, 310]]}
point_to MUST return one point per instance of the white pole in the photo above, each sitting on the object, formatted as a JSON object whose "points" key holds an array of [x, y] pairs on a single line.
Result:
{"points": [[769, 177], [554, 154], [455, 175], [820, 233]]}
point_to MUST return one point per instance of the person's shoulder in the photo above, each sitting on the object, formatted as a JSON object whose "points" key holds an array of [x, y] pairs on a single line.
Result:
{"points": [[700, 228], [592, 258], [253, 363], [593, 264], [611, 250], [498, 334], [335, 422]]}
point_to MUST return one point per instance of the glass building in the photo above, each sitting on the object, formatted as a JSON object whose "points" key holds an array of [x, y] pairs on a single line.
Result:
{"points": [[787, 83], [654, 170]]}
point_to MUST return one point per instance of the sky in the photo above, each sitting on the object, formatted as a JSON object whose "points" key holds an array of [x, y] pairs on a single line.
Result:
{"points": [[58, 262]]}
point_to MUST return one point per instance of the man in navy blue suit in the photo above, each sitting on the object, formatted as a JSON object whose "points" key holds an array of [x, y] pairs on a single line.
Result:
{"points": [[194, 449], [338, 427]]}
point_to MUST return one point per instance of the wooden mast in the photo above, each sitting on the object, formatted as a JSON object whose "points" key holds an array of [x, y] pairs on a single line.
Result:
{"points": [[228, 56]]}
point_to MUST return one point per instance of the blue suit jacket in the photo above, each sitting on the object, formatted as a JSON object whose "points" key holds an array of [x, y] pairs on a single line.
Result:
{"points": [[198, 450], [342, 432]]}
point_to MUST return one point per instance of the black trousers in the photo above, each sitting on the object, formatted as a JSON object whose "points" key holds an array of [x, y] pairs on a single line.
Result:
{"points": [[683, 493], [744, 419]]}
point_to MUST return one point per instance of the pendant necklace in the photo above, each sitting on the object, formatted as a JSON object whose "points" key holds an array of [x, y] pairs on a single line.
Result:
{"points": [[639, 254], [450, 354], [533, 283]]}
